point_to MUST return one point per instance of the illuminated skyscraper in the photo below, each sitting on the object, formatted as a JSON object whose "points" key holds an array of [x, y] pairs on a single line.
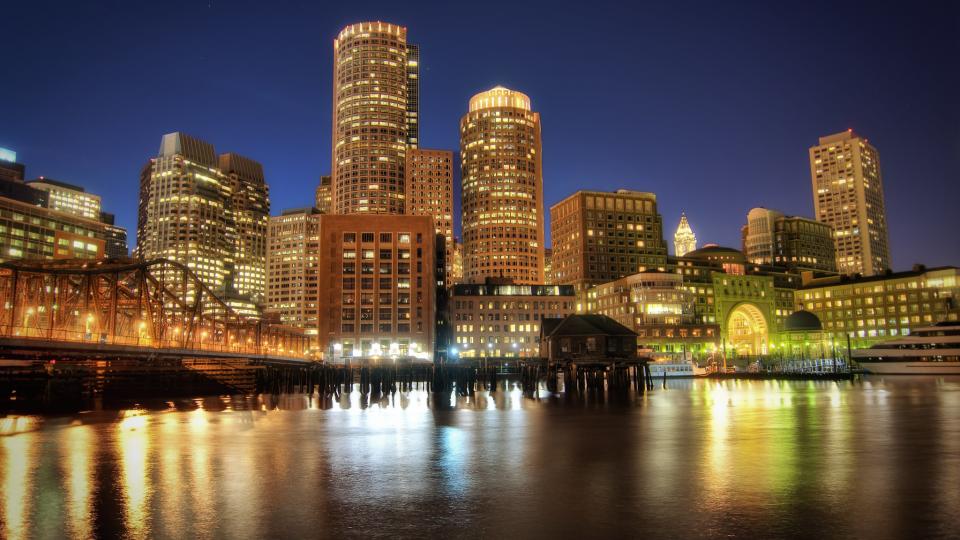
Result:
{"points": [[500, 152], [429, 188], [293, 264], [848, 196], [190, 212], [251, 215], [413, 95], [370, 118], [684, 241]]}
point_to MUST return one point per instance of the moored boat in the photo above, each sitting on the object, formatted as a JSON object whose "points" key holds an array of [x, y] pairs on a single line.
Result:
{"points": [[931, 350]]}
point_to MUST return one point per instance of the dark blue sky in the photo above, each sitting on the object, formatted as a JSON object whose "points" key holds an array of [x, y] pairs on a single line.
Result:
{"points": [[711, 105]]}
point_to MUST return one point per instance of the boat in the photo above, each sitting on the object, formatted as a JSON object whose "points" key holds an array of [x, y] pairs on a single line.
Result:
{"points": [[931, 350], [674, 368]]}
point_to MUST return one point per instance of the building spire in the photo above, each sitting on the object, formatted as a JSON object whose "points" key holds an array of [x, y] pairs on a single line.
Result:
{"points": [[684, 241]]}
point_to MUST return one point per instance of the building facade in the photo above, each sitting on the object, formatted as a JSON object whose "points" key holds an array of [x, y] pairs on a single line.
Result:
{"points": [[68, 198], [848, 196], [429, 192], [293, 265], [377, 286], [370, 118], [502, 319], [28, 231], [603, 236], [663, 310], [324, 196], [793, 242], [684, 240], [251, 216], [413, 95], [871, 309], [502, 188], [188, 213]]}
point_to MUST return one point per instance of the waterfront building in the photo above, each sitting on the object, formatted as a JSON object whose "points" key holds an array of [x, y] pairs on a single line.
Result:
{"points": [[580, 338], [188, 213], [377, 285], [871, 309], [502, 195], [324, 196], [500, 318], [370, 118], [732, 307], [663, 310], [602, 236], [429, 192], [848, 196], [793, 242], [684, 240], [293, 265]]}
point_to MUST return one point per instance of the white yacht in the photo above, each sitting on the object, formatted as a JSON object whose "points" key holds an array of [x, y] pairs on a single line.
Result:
{"points": [[675, 368], [930, 349]]}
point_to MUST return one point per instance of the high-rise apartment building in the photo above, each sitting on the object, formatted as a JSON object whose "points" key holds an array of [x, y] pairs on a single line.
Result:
{"points": [[324, 202], [429, 192], [792, 242], [370, 118], [413, 95], [293, 265], [251, 215], [502, 195], [377, 286], [602, 236], [684, 241], [189, 213], [848, 196]]}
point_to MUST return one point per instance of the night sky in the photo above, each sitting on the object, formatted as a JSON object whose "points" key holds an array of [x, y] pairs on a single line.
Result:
{"points": [[710, 105]]}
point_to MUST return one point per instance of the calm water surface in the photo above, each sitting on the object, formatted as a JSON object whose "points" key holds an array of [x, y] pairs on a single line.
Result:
{"points": [[879, 458]]}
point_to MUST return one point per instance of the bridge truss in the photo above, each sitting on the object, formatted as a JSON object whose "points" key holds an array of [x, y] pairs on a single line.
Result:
{"points": [[158, 304]]}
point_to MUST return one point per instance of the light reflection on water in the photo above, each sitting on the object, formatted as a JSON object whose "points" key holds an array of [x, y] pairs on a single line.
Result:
{"points": [[878, 458]]}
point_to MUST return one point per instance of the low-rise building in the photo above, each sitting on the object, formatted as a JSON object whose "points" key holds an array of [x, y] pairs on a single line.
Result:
{"points": [[587, 338], [871, 309], [377, 286], [502, 319]]}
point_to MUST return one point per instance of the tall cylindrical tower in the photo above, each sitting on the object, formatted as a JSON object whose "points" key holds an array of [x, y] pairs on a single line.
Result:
{"points": [[502, 188], [369, 118]]}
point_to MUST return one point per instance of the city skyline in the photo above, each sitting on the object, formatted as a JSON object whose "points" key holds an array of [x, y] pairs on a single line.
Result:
{"points": [[649, 158]]}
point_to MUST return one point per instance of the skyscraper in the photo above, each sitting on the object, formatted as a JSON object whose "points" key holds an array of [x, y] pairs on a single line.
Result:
{"points": [[189, 212], [601, 236], [293, 264], [324, 195], [251, 215], [413, 95], [684, 241], [848, 196], [500, 152], [370, 120], [793, 242], [429, 190]]}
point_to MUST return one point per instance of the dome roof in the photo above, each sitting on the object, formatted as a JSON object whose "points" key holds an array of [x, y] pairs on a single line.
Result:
{"points": [[802, 321], [713, 252]]}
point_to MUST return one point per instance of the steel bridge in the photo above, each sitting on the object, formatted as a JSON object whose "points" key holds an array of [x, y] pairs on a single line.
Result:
{"points": [[117, 308]]}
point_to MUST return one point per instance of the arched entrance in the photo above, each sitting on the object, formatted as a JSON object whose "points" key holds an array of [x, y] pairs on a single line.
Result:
{"points": [[747, 330]]}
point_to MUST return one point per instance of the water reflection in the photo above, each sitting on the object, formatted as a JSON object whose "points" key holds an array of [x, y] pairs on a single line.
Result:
{"points": [[878, 458]]}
